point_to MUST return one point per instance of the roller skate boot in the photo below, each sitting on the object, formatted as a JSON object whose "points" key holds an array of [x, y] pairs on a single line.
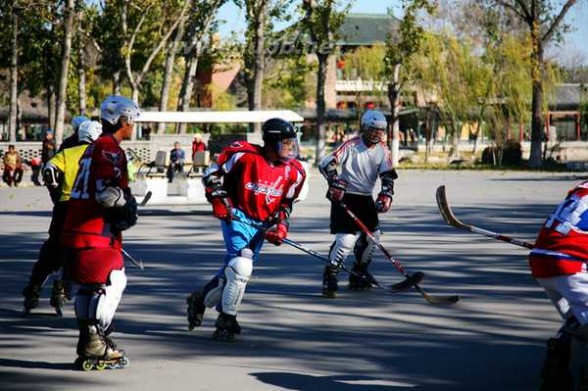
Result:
{"points": [[59, 296], [358, 283], [31, 297], [97, 351], [226, 328], [330, 284], [195, 310], [555, 373]]}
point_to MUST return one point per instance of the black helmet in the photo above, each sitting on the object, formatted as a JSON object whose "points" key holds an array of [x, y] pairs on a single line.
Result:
{"points": [[277, 129], [274, 132]]}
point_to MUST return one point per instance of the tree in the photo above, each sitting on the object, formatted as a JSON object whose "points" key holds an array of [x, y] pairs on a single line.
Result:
{"points": [[68, 31], [399, 49], [169, 65], [322, 20], [200, 22], [13, 73], [545, 23]]}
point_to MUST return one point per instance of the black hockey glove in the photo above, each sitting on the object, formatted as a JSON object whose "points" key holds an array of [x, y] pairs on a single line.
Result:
{"points": [[122, 218], [337, 188]]}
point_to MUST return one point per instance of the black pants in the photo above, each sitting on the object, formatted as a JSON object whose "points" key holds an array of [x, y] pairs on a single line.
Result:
{"points": [[173, 168], [363, 206], [51, 254]]}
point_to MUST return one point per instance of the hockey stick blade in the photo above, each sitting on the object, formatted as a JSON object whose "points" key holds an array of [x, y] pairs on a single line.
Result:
{"points": [[451, 219], [437, 299], [146, 199], [410, 281], [430, 299]]}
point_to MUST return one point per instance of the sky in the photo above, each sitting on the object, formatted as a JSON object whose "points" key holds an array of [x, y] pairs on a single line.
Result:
{"points": [[576, 41]]}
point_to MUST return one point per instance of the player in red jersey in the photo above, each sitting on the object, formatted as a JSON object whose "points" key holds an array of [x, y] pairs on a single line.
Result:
{"points": [[564, 281], [101, 207], [248, 186]]}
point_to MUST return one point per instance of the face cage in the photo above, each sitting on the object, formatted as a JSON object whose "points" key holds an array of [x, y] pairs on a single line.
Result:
{"points": [[282, 150], [374, 135]]}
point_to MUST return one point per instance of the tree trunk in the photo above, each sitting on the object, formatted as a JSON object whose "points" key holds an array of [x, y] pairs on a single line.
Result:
{"points": [[259, 70], [394, 125], [169, 70], [81, 66], [320, 107], [13, 76], [63, 75], [188, 86], [535, 158]]}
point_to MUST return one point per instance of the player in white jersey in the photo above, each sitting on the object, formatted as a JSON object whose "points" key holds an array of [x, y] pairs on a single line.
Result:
{"points": [[361, 160]]}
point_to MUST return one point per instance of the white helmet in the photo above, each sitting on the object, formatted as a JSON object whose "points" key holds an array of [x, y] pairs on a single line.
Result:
{"points": [[373, 126], [77, 121], [116, 106], [89, 131]]}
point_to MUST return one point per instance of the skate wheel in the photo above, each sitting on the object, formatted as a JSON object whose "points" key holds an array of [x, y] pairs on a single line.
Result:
{"points": [[87, 365], [101, 365], [124, 362]]}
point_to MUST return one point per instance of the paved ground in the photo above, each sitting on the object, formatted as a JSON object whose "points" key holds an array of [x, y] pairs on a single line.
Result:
{"points": [[293, 339]]}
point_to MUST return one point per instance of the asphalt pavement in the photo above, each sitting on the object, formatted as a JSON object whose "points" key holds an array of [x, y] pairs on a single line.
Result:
{"points": [[294, 339]]}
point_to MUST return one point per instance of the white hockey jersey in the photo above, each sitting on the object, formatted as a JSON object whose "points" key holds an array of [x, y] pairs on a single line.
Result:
{"points": [[360, 165]]}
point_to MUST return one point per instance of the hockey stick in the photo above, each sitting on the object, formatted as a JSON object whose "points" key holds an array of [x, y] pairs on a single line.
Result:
{"points": [[450, 219], [413, 279], [146, 199], [429, 298], [138, 264]]}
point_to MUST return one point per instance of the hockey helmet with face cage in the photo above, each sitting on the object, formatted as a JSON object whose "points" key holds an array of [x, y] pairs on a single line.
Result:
{"points": [[77, 121], [89, 131], [373, 126], [281, 136], [116, 106]]}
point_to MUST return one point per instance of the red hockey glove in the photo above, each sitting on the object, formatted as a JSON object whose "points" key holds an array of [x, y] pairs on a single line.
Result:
{"points": [[383, 202], [221, 204], [337, 189], [277, 233]]}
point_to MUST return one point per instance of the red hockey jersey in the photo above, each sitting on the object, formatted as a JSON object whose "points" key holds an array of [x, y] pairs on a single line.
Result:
{"points": [[258, 187], [85, 225], [565, 231]]}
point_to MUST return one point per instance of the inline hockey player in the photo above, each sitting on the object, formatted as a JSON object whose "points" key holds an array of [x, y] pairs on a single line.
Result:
{"points": [[101, 207], [361, 159], [565, 282], [248, 186], [59, 174]]}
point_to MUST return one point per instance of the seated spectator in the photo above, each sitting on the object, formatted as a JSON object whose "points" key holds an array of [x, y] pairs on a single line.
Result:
{"points": [[177, 158], [198, 145], [12, 167], [35, 164]]}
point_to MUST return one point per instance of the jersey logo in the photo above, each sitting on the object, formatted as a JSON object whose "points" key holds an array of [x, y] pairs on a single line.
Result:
{"points": [[268, 190], [113, 157]]}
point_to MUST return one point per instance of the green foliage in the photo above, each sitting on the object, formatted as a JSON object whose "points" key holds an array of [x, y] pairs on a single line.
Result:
{"points": [[288, 83]]}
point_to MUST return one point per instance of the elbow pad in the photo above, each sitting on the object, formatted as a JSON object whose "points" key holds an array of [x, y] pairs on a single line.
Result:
{"points": [[387, 179], [329, 170], [52, 176]]}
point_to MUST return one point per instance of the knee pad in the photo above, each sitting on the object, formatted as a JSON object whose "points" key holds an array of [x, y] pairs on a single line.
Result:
{"points": [[237, 273], [99, 302], [213, 291], [365, 247], [341, 248]]}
